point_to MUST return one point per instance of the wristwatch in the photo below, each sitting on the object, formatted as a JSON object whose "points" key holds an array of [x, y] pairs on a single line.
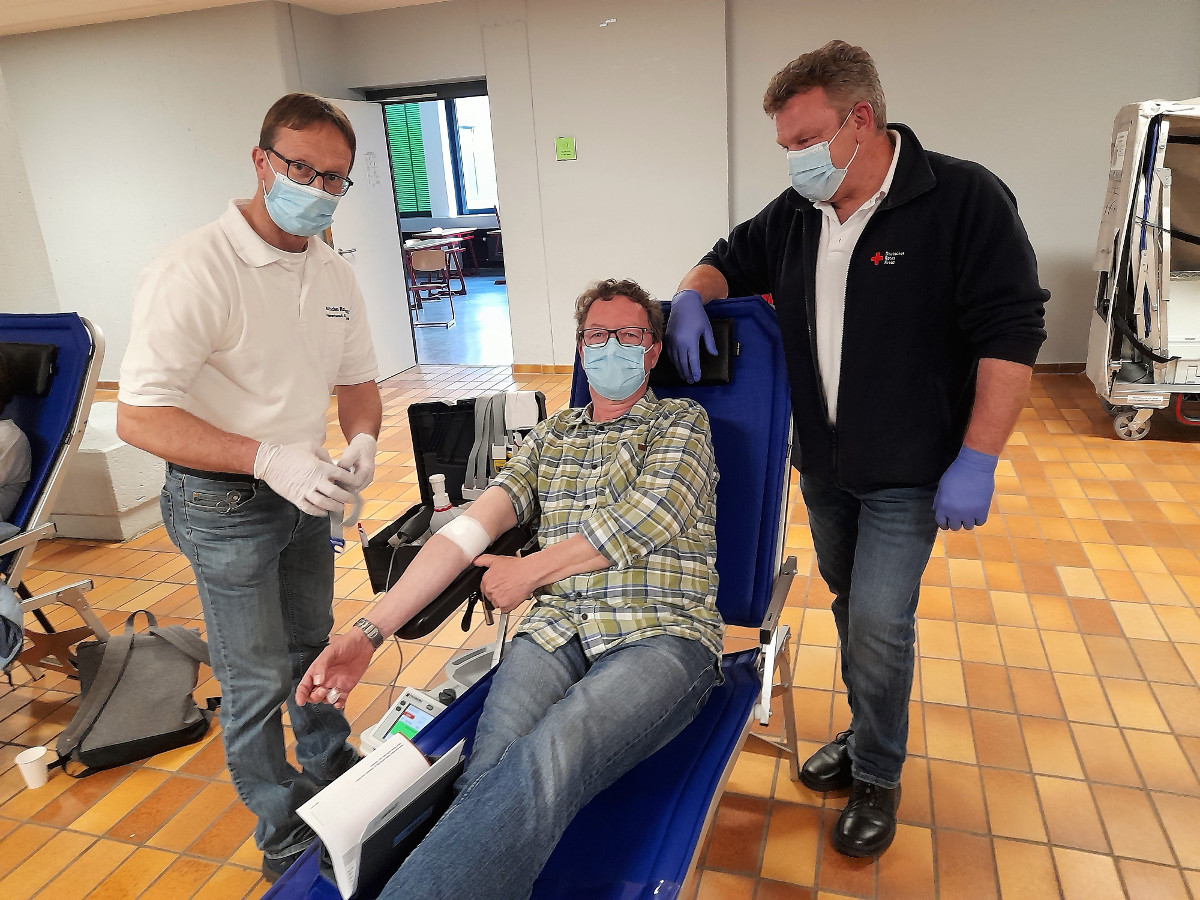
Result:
{"points": [[374, 635]]}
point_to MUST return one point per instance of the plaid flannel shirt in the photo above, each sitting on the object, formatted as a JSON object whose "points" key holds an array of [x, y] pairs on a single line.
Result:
{"points": [[642, 490]]}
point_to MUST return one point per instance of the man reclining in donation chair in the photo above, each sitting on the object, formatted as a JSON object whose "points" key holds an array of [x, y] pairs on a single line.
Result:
{"points": [[621, 647]]}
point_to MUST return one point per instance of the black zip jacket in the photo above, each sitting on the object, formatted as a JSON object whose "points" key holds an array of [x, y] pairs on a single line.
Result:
{"points": [[942, 277]]}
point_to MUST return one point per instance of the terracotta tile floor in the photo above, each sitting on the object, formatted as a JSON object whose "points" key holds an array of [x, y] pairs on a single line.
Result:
{"points": [[1055, 716]]}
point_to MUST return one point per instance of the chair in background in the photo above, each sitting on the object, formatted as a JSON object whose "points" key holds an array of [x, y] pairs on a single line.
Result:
{"points": [[55, 361], [434, 265]]}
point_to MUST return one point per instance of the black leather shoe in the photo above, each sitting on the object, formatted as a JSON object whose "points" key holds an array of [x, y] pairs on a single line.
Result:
{"points": [[829, 768], [868, 823]]}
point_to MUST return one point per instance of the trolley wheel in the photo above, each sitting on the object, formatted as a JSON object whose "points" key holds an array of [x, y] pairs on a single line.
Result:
{"points": [[1126, 430]]}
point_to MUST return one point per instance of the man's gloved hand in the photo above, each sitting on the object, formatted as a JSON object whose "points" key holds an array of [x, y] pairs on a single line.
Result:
{"points": [[296, 473], [688, 323], [965, 492], [359, 461]]}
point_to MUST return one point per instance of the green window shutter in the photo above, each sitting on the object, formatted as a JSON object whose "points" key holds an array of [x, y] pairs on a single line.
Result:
{"points": [[408, 159]]}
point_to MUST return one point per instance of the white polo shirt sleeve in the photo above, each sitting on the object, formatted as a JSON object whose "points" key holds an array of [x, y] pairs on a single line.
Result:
{"points": [[178, 325]]}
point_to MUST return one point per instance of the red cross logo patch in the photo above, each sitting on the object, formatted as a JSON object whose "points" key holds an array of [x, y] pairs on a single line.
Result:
{"points": [[877, 258]]}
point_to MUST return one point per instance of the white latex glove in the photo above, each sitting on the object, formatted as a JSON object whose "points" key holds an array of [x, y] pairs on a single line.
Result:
{"points": [[296, 473], [359, 461]]}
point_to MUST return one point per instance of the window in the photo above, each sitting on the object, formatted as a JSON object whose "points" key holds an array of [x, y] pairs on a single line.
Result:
{"points": [[441, 154], [469, 125], [407, 151]]}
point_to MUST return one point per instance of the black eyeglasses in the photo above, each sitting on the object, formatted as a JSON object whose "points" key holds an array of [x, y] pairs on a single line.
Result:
{"points": [[302, 173], [629, 336]]}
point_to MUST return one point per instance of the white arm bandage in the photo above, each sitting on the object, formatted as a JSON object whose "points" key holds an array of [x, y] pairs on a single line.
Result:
{"points": [[471, 537]]}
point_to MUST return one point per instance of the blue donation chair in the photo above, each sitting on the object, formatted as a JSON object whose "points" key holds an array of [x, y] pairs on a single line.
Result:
{"points": [[55, 361], [643, 836]]}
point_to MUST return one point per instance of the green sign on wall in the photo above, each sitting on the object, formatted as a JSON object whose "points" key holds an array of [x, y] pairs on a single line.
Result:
{"points": [[564, 148]]}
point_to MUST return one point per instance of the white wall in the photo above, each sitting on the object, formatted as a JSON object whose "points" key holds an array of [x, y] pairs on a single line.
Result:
{"points": [[506, 50], [669, 154], [317, 49], [134, 133], [26, 284], [1027, 89], [645, 99], [642, 200], [412, 45]]}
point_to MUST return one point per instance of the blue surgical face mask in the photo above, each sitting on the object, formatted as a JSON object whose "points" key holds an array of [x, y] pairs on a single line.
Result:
{"points": [[613, 370], [299, 209], [814, 176]]}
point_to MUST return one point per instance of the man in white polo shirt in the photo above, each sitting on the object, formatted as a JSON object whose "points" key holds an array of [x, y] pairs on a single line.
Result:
{"points": [[241, 330]]}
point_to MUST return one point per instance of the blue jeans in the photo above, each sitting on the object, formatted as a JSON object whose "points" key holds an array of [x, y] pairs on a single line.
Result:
{"points": [[264, 571], [554, 732], [872, 549]]}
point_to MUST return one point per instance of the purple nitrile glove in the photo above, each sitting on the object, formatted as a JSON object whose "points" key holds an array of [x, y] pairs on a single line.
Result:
{"points": [[688, 323], [965, 492]]}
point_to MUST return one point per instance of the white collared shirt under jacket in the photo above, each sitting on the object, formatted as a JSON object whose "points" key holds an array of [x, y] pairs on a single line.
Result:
{"points": [[837, 243]]}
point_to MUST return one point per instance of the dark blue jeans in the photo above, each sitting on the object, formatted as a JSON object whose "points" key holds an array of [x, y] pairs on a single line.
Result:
{"points": [[554, 732], [264, 571], [872, 549]]}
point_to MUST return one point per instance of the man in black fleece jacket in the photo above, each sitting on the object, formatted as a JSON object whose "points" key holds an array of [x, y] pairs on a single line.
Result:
{"points": [[908, 298]]}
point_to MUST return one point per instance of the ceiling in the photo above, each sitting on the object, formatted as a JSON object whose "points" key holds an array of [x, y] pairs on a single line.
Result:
{"points": [[21, 16]]}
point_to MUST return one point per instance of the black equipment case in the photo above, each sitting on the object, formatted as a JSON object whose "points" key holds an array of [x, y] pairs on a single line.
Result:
{"points": [[443, 433]]}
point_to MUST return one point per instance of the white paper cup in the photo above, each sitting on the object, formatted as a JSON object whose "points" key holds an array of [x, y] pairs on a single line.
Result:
{"points": [[33, 764]]}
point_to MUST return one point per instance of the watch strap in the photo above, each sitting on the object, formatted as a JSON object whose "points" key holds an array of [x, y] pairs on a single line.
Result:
{"points": [[374, 635]]}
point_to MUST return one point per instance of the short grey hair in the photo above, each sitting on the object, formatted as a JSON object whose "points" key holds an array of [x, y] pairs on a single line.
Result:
{"points": [[846, 73]]}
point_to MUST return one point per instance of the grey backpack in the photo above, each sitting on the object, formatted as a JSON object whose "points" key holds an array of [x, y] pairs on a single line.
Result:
{"points": [[136, 696]]}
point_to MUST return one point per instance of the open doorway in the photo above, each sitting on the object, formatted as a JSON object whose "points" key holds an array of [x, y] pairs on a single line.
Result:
{"points": [[444, 171]]}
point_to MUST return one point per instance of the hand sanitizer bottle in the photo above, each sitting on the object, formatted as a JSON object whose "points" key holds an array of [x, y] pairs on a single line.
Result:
{"points": [[443, 511]]}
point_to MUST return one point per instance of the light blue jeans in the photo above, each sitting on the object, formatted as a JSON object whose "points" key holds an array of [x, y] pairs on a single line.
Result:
{"points": [[554, 732], [264, 571], [872, 549]]}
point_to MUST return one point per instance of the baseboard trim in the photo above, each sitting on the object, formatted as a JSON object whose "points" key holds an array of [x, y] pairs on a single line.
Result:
{"points": [[1060, 368], [107, 385], [533, 369]]}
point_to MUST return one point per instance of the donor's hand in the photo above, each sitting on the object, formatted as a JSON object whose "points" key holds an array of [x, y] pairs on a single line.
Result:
{"points": [[507, 582], [336, 671]]}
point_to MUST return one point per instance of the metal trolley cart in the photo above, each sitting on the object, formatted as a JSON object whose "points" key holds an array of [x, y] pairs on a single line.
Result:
{"points": [[1144, 344]]}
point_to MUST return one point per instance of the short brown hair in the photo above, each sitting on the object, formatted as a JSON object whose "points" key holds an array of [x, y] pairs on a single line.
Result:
{"points": [[846, 73], [302, 111], [611, 287]]}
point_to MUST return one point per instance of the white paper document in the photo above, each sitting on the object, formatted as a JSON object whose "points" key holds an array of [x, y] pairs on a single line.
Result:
{"points": [[362, 801]]}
